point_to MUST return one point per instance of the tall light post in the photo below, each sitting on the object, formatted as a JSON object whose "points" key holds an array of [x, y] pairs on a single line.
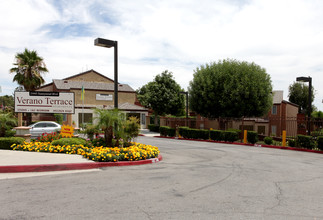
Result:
{"points": [[186, 93], [309, 80], [109, 43]]}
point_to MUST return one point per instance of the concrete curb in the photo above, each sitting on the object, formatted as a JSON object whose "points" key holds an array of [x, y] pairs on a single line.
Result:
{"points": [[252, 145], [73, 166]]}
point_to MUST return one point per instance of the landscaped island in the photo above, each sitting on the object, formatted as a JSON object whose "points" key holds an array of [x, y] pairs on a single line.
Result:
{"points": [[135, 151]]}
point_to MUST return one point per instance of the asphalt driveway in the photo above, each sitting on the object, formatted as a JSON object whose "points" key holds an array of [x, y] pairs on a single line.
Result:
{"points": [[195, 180]]}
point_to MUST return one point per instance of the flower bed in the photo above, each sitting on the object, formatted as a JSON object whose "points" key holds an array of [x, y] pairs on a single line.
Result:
{"points": [[136, 151]]}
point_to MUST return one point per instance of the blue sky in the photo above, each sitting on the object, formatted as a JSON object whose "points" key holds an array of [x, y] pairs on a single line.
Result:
{"points": [[283, 36]]}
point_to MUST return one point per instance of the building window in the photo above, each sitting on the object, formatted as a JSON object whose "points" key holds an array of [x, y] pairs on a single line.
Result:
{"points": [[261, 130], [273, 130], [274, 110], [87, 118]]}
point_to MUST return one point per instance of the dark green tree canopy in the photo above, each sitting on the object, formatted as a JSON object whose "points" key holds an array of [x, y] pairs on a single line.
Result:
{"points": [[162, 95], [298, 94], [230, 88], [28, 68]]}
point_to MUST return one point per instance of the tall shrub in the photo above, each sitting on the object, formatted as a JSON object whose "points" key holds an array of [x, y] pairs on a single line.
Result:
{"points": [[163, 130], [230, 136], [305, 141], [183, 131], [132, 128], [320, 142], [217, 135], [252, 137]]}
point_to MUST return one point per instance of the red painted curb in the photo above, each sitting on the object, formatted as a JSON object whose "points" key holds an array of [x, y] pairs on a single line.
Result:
{"points": [[252, 145], [73, 166]]}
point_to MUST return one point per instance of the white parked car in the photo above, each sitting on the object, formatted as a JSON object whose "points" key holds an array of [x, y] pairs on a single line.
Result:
{"points": [[41, 127]]}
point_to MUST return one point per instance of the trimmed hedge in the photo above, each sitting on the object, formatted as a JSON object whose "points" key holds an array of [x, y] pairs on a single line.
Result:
{"points": [[305, 141], [203, 134], [6, 142], [230, 136], [217, 135], [292, 142], [163, 130], [320, 142], [252, 137], [167, 131], [154, 128], [268, 140], [69, 141], [183, 131]]}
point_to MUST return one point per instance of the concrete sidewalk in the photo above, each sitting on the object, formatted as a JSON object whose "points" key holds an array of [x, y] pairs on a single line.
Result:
{"points": [[11, 157], [146, 132], [20, 160]]}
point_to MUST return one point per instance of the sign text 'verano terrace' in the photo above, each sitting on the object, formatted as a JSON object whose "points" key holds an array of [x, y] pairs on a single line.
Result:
{"points": [[63, 103]]}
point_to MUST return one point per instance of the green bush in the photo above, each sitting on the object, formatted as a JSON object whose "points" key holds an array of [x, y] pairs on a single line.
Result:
{"points": [[90, 130], [216, 135], [252, 137], [167, 131], [132, 128], [7, 122], [268, 140], [163, 130], [230, 136], [171, 132], [69, 141], [98, 142], [292, 142], [153, 128], [6, 142], [10, 133], [204, 134], [197, 134], [193, 133], [320, 142], [317, 133], [305, 141], [183, 131]]}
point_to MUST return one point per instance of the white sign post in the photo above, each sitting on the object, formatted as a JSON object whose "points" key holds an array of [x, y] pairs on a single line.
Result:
{"points": [[45, 102]]}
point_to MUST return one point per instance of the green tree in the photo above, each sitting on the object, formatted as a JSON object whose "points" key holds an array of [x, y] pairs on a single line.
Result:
{"points": [[317, 114], [7, 103], [112, 123], [162, 95], [28, 69], [230, 88], [298, 94]]}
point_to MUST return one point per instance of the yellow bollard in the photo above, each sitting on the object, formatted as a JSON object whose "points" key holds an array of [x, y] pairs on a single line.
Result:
{"points": [[245, 136], [284, 138]]}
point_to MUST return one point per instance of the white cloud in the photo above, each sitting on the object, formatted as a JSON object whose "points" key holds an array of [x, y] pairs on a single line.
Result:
{"points": [[284, 37]]}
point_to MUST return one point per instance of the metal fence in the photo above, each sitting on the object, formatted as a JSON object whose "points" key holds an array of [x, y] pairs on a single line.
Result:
{"points": [[270, 126]]}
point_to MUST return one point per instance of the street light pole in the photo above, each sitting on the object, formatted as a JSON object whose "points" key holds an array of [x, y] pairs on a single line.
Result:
{"points": [[309, 80], [109, 43], [116, 74]]}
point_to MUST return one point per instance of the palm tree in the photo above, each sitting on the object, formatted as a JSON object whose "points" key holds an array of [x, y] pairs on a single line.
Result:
{"points": [[28, 68], [112, 123]]}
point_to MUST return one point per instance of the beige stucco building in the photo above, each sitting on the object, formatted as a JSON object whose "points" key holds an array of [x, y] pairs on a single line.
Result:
{"points": [[98, 93]]}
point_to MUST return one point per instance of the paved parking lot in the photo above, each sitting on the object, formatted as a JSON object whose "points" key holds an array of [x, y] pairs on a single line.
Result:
{"points": [[195, 180]]}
